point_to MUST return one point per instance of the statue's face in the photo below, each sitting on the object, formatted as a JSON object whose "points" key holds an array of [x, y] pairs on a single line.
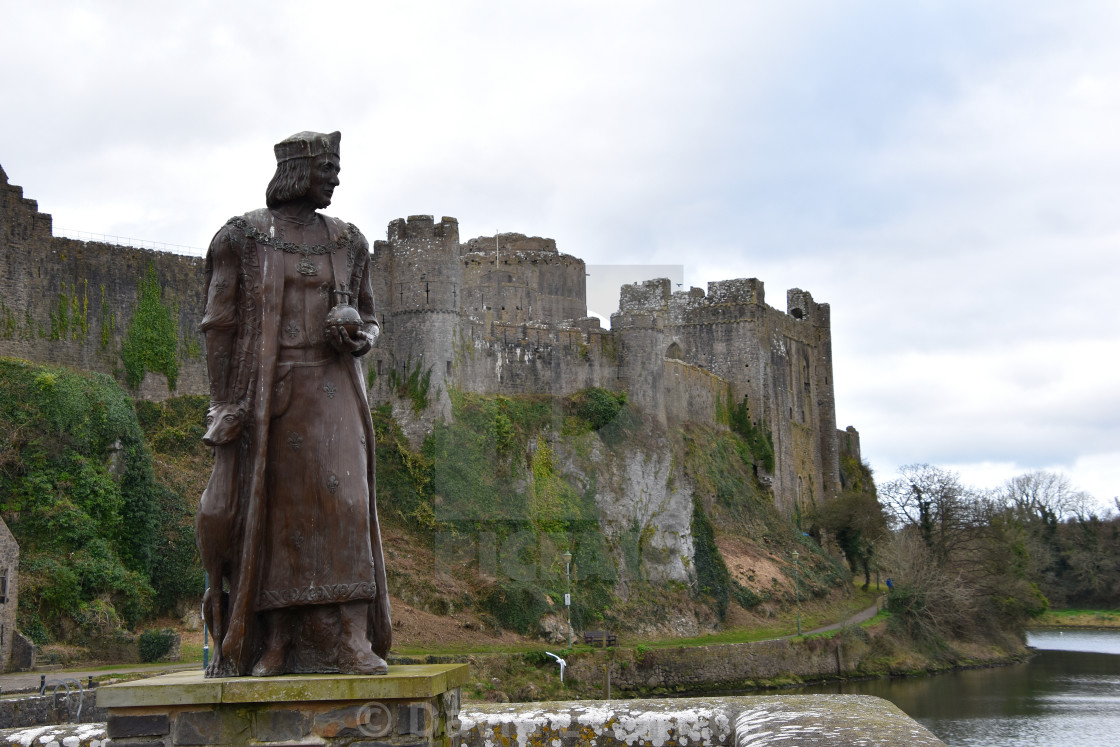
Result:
{"points": [[324, 178]]}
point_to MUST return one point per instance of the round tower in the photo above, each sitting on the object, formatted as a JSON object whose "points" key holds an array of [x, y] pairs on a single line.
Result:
{"points": [[419, 282]]}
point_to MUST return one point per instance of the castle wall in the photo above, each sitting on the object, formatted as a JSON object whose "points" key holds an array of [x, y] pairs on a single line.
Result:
{"points": [[518, 279], [508, 319], [417, 279], [780, 363], [9, 594], [499, 358], [69, 302]]}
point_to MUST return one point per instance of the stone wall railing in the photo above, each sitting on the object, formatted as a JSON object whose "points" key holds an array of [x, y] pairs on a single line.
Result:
{"points": [[740, 721]]}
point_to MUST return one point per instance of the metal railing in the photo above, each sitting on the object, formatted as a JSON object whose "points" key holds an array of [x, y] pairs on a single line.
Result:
{"points": [[71, 714], [158, 246]]}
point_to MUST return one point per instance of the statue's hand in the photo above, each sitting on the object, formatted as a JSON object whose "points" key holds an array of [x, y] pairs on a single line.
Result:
{"points": [[357, 344]]}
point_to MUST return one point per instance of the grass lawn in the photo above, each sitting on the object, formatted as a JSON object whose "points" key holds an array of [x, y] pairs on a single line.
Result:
{"points": [[1077, 619]]}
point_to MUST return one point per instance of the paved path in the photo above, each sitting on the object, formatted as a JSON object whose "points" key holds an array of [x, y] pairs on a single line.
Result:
{"points": [[29, 681], [856, 619]]}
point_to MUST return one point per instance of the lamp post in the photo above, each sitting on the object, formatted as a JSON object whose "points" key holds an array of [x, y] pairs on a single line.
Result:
{"points": [[205, 631], [797, 589], [568, 594]]}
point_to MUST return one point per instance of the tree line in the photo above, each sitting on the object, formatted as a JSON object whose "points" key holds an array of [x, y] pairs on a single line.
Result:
{"points": [[965, 560]]}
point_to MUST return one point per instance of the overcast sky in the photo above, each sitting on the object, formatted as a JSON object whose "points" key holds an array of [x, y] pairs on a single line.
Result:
{"points": [[945, 174]]}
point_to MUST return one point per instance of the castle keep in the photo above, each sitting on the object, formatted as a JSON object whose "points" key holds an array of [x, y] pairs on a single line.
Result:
{"points": [[503, 314]]}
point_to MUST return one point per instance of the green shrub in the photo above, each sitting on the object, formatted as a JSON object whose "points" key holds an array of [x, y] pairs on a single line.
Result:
{"points": [[77, 484], [598, 407], [156, 644], [516, 606], [712, 577]]}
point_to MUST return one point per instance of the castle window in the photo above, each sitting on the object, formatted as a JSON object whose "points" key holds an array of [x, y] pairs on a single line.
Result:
{"points": [[674, 352], [378, 366], [4, 586], [449, 368], [797, 313]]}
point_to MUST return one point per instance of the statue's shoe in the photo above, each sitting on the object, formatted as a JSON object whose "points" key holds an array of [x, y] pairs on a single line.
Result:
{"points": [[271, 663], [361, 662]]}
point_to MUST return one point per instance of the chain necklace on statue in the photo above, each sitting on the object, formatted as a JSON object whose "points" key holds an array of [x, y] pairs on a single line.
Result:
{"points": [[305, 266]]}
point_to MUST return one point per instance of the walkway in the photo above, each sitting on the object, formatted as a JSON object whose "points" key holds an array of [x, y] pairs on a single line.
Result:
{"points": [[856, 619], [22, 682]]}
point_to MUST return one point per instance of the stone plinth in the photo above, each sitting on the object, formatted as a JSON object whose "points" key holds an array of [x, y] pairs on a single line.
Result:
{"points": [[412, 705]]}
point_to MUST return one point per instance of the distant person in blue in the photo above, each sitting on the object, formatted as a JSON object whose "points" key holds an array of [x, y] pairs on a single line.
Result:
{"points": [[890, 585]]}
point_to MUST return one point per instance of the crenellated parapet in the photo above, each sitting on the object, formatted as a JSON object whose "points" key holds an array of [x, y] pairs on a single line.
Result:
{"points": [[20, 219]]}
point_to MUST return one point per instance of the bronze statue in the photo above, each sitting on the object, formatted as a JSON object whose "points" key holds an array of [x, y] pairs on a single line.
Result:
{"points": [[287, 526]]}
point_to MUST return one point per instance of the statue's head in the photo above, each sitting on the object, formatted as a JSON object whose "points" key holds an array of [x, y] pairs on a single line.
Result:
{"points": [[307, 166]]}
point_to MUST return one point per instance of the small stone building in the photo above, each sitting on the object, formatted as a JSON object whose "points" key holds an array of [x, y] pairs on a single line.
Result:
{"points": [[9, 587]]}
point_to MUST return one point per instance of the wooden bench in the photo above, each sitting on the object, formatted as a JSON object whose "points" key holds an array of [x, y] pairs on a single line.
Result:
{"points": [[604, 637]]}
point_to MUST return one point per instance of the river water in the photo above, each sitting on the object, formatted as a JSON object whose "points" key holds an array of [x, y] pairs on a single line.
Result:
{"points": [[1066, 696]]}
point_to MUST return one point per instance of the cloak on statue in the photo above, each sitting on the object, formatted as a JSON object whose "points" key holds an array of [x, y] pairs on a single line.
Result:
{"points": [[289, 517]]}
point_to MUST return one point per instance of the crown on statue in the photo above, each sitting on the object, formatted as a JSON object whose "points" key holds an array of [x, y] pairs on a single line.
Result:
{"points": [[307, 145]]}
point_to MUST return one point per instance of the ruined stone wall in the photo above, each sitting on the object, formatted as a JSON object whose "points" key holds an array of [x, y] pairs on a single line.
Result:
{"points": [[847, 442], [69, 302]]}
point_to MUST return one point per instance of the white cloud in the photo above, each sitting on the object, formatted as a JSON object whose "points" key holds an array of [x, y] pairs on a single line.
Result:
{"points": [[946, 175]]}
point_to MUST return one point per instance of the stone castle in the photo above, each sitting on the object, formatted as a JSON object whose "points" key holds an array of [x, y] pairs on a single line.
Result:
{"points": [[502, 314]]}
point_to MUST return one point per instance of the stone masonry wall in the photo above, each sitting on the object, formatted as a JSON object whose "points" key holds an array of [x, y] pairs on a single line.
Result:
{"points": [[518, 279], [779, 363], [96, 286]]}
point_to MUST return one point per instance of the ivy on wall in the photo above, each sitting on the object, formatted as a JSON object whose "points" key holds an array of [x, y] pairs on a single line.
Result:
{"points": [[151, 342], [412, 383], [108, 322], [70, 314], [78, 493], [757, 435], [8, 325]]}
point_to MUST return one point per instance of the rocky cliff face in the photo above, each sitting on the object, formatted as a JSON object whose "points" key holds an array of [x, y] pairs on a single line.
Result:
{"points": [[637, 493]]}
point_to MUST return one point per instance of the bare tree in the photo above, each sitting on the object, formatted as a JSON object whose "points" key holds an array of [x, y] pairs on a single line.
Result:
{"points": [[930, 600], [1045, 494], [944, 512]]}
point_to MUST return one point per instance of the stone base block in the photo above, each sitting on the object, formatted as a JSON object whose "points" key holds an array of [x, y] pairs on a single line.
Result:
{"points": [[412, 705]]}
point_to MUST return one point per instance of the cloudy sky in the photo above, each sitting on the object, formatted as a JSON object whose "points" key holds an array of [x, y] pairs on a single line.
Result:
{"points": [[945, 174]]}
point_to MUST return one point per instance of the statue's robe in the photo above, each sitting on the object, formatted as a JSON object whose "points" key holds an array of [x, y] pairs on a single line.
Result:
{"points": [[303, 482]]}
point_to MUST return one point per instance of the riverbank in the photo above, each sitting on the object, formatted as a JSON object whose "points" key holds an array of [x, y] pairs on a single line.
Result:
{"points": [[852, 653], [1077, 619]]}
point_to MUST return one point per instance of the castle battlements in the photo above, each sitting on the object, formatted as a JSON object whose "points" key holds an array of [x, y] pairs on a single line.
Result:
{"points": [[515, 243], [424, 227]]}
